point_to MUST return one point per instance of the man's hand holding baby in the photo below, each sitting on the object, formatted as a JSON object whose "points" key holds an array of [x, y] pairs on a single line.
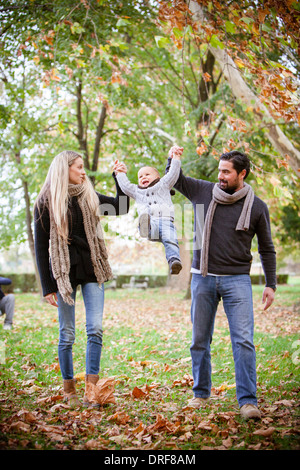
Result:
{"points": [[175, 152]]}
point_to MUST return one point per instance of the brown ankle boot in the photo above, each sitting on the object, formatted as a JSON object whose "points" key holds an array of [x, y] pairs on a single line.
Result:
{"points": [[70, 395], [89, 395]]}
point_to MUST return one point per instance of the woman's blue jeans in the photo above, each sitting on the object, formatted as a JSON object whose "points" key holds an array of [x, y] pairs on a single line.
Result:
{"points": [[236, 292], [93, 297]]}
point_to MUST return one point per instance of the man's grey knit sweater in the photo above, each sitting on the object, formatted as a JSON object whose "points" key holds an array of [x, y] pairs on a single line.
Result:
{"points": [[230, 250], [154, 200]]}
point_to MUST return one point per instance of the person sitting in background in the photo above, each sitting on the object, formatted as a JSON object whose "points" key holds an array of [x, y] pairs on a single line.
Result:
{"points": [[7, 304]]}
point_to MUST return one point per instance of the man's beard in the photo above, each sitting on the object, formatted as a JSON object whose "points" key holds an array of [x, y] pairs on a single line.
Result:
{"points": [[230, 190], [227, 189]]}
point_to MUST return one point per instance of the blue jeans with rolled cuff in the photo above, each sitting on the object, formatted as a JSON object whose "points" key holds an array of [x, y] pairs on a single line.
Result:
{"points": [[236, 292], [93, 297]]}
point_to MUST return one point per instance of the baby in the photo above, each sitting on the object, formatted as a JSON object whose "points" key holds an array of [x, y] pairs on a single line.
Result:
{"points": [[154, 205]]}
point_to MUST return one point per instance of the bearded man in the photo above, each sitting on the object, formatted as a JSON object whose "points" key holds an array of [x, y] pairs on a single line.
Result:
{"points": [[231, 216]]}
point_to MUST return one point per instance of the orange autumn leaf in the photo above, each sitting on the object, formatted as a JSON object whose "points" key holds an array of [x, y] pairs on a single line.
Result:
{"points": [[116, 77], [163, 425], [206, 76], [138, 393], [120, 417], [262, 14], [231, 143], [54, 76], [187, 380], [282, 163], [201, 148], [102, 393]]}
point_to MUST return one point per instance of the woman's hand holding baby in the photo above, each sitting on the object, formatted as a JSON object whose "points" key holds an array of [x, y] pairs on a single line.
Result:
{"points": [[119, 167]]}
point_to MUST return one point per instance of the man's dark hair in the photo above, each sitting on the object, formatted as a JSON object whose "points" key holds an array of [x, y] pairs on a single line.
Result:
{"points": [[239, 160]]}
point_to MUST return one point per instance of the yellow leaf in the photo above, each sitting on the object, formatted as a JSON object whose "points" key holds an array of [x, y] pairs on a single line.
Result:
{"points": [[255, 29], [80, 376], [239, 63], [53, 75]]}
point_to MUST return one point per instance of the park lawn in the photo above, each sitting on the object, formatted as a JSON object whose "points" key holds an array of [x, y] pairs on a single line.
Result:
{"points": [[146, 343]]}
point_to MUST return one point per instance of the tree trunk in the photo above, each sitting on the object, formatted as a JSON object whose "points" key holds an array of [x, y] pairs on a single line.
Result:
{"points": [[99, 133], [241, 90], [81, 134]]}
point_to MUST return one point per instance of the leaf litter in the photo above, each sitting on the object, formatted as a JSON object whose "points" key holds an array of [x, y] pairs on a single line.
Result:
{"points": [[154, 415]]}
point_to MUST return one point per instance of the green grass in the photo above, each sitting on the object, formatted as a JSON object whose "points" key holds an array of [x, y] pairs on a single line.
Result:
{"points": [[147, 336]]}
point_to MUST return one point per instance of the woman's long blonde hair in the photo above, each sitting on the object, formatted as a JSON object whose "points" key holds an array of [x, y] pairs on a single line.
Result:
{"points": [[54, 193]]}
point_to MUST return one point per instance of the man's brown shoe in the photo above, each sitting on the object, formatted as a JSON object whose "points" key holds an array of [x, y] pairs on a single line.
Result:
{"points": [[197, 402], [250, 411]]}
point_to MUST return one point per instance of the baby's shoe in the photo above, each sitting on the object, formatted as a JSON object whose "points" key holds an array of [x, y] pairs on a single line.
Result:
{"points": [[175, 266]]}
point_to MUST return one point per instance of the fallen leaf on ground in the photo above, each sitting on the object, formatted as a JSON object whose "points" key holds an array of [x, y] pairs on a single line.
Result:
{"points": [[162, 424], [102, 393], [265, 432], [138, 393], [80, 376], [120, 417]]}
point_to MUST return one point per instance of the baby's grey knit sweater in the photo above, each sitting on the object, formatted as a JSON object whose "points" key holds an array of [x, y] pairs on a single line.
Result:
{"points": [[154, 200]]}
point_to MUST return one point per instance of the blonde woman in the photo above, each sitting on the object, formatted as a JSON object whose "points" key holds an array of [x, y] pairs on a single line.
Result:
{"points": [[67, 226]]}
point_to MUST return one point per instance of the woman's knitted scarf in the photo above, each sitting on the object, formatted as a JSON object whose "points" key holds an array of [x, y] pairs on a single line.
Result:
{"points": [[221, 197], [60, 258]]}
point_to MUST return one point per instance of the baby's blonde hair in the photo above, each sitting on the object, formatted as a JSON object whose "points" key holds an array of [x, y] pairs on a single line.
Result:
{"points": [[152, 167]]}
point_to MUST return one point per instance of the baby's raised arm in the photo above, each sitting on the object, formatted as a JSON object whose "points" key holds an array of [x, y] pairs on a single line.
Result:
{"points": [[171, 177], [175, 152]]}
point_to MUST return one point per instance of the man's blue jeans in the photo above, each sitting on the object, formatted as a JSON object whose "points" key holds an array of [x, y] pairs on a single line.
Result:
{"points": [[93, 297], [164, 231], [236, 292]]}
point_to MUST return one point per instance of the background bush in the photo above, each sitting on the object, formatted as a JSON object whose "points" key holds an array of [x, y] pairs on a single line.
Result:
{"points": [[27, 282]]}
